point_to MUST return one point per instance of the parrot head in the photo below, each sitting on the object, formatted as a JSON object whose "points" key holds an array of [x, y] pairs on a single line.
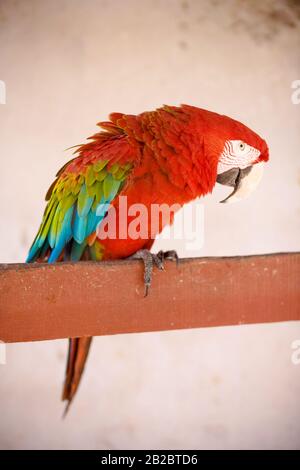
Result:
{"points": [[238, 153], [241, 167], [241, 159]]}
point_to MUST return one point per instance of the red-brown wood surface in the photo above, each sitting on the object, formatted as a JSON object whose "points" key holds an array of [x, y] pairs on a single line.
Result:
{"points": [[40, 301]]}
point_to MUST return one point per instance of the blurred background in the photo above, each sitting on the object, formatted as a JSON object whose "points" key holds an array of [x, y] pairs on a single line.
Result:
{"points": [[66, 65]]}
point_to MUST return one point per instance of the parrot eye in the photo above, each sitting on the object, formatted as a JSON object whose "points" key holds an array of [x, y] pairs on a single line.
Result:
{"points": [[240, 148], [237, 154]]}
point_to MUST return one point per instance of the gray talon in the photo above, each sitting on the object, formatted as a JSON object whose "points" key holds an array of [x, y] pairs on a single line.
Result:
{"points": [[148, 259]]}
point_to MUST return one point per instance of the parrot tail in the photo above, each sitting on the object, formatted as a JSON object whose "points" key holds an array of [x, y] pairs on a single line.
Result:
{"points": [[78, 353]]}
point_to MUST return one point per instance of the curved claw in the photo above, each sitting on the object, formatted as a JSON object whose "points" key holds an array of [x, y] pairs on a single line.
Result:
{"points": [[149, 259]]}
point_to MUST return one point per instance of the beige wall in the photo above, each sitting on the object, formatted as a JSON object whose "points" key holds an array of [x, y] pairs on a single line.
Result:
{"points": [[66, 65]]}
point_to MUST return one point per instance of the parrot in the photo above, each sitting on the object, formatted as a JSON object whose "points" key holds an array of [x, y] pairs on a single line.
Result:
{"points": [[171, 155]]}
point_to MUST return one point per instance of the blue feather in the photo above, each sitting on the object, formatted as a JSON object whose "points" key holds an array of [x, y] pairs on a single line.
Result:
{"points": [[79, 229], [77, 250], [57, 233], [63, 237], [91, 222], [33, 251]]}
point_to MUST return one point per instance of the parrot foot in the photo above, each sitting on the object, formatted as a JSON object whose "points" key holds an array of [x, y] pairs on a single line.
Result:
{"points": [[149, 259]]}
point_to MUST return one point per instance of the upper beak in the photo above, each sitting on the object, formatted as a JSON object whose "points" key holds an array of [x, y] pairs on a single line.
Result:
{"points": [[243, 181]]}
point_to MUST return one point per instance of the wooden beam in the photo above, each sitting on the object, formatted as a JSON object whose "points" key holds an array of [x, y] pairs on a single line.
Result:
{"points": [[42, 302]]}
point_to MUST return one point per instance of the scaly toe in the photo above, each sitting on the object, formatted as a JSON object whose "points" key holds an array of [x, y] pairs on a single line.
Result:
{"points": [[148, 259]]}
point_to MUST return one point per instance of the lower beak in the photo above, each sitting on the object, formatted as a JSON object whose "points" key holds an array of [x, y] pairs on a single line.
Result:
{"points": [[243, 181]]}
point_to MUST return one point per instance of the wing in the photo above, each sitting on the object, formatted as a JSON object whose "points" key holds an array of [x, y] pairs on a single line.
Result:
{"points": [[79, 199]]}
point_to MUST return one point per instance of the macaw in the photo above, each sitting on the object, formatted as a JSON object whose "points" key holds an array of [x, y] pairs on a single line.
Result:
{"points": [[167, 156]]}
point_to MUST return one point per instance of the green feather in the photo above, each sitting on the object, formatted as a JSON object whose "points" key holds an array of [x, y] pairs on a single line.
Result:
{"points": [[53, 201], [90, 176], [84, 202], [92, 190], [98, 166], [59, 194], [100, 176], [114, 168], [110, 187], [76, 189], [67, 189], [67, 203], [47, 221], [95, 205], [53, 228], [98, 195], [121, 174], [99, 191]]}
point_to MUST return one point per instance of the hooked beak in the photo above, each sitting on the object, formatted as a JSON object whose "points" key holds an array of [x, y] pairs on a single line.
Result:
{"points": [[243, 181]]}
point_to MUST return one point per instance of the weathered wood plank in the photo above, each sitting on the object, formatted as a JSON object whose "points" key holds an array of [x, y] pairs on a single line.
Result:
{"points": [[41, 302]]}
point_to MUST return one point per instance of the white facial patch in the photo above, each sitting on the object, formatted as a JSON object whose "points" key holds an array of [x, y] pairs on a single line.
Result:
{"points": [[236, 154]]}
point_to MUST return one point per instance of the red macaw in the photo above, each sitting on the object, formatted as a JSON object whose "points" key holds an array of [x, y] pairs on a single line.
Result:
{"points": [[171, 155]]}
